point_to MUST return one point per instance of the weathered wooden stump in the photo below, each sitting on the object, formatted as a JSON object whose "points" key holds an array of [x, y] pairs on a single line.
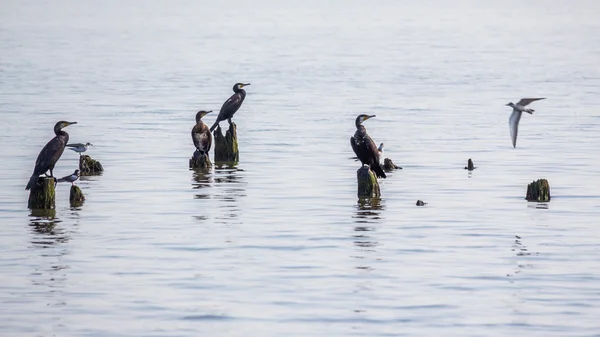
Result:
{"points": [[538, 190], [388, 165], [76, 197], [470, 165], [226, 147], [367, 183], [200, 160], [89, 166], [43, 194]]}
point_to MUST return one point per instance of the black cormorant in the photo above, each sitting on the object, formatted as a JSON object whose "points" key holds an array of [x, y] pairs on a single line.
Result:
{"points": [[231, 105], [50, 153], [364, 147], [79, 147], [201, 134]]}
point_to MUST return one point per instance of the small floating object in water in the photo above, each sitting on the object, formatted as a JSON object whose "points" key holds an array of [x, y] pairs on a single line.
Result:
{"points": [[470, 165], [421, 203]]}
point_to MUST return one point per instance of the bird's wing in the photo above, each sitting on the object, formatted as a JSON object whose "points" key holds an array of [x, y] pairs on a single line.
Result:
{"points": [[230, 106], [355, 147], [371, 149], [526, 101], [53, 149], [75, 145], [513, 123]]}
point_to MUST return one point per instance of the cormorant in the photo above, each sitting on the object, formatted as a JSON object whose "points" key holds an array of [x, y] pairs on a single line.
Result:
{"points": [[79, 147], [201, 134], [50, 153], [515, 117], [71, 178], [231, 105], [364, 147]]}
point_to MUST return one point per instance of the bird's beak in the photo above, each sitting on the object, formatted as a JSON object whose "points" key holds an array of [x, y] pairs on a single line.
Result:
{"points": [[71, 123], [245, 84], [370, 116], [507, 104]]}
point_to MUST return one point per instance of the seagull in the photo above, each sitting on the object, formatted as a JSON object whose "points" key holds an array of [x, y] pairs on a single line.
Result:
{"points": [[515, 117], [70, 178], [79, 148]]}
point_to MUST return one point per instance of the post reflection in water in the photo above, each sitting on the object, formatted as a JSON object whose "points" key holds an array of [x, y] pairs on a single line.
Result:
{"points": [[230, 187], [203, 178], [367, 216], [368, 213], [50, 272], [225, 184]]}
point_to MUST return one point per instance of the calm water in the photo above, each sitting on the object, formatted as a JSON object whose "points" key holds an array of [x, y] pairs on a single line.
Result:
{"points": [[279, 245]]}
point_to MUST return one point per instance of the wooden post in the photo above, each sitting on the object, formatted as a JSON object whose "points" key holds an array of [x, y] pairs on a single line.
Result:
{"points": [[89, 166], [538, 190], [200, 160], [388, 165], [43, 194], [76, 197], [470, 165], [367, 183], [226, 147]]}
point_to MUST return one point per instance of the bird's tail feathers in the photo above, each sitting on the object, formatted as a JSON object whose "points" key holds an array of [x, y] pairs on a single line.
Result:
{"points": [[32, 181], [376, 167], [214, 126]]}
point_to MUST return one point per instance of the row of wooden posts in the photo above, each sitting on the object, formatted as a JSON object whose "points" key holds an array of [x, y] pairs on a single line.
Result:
{"points": [[42, 196]]}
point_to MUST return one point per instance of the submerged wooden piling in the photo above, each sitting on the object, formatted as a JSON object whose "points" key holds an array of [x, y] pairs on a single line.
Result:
{"points": [[200, 160], [538, 190], [470, 165], [388, 165], [89, 166], [367, 183], [226, 147], [43, 194], [76, 197]]}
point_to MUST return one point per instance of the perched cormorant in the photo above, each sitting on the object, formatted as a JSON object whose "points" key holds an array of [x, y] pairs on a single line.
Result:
{"points": [[201, 134], [515, 117], [71, 178], [364, 147], [79, 147], [231, 105], [50, 153]]}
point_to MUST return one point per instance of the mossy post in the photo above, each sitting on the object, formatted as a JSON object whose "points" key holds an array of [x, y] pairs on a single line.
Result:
{"points": [[89, 166], [368, 187], [538, 190], [76, 197], [388, 165], [200, 160], [226, 147], [43, 194]]}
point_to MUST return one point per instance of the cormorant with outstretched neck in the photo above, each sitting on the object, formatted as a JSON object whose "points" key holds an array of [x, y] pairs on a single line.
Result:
{"points": [[365, 148], [201, 134], [50, 153], [231, 105]]}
